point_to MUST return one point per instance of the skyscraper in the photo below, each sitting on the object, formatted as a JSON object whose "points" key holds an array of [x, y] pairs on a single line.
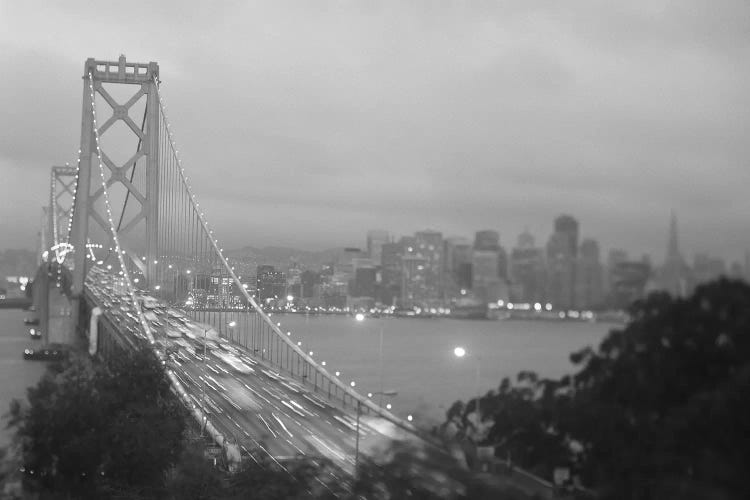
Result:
{"points": [[674, 272], [567, 229], [376, 238], [391, 272], [486, 240], [456, 266], [527, 270], [588, 276], [414, 290], [562, 249], [429, 246]]}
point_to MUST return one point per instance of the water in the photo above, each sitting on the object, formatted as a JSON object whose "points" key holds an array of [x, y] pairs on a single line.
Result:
{"points": [[418, 358], [15, 373]]}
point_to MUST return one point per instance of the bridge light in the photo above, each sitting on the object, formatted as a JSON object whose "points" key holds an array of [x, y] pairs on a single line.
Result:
{"points": [[388, 406], [352, 383], [299, 343], [409, 418], [338, 373], [369, 394], [323, 363], [311, 353]]}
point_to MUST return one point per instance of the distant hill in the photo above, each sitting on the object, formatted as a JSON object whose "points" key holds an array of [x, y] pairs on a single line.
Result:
{"points": [[282, 257]]}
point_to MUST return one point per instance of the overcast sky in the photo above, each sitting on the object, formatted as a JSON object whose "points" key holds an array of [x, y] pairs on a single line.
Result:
{"points": [[308, 123]]}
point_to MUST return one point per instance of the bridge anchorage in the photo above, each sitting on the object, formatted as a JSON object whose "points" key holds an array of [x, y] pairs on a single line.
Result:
{"points": [[147, 270]]}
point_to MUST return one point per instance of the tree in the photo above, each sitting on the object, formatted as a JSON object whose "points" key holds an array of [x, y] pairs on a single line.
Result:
{"points": [[94, 430], [664, 402], [661, 409]]}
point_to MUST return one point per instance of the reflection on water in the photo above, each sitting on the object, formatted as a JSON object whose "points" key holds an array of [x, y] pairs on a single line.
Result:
{"points": [[418, 354], [418, 358]]}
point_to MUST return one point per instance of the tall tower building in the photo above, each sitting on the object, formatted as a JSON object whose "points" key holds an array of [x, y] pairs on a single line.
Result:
{"points": [[486, 240], [566, 227], [527, 270], [456, 266], [589, 276], [376, 238], [429, 246], [674, 272], [562, 250]]}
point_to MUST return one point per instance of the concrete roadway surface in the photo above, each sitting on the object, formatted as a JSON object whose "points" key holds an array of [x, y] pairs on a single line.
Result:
{"points": [[244, 399]]}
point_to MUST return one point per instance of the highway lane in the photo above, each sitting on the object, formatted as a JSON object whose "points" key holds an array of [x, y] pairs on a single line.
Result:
{"points": [[246, 400]]}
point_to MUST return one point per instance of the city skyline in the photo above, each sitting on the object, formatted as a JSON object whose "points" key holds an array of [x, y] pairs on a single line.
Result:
{"points": [[405, 117]]}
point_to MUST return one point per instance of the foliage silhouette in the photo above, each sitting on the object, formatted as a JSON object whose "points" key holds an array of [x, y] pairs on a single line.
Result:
{"points": [[660, 410]]}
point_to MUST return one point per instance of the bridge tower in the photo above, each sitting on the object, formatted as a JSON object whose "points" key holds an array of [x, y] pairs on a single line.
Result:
{"points": [[137, 176], [62, 194]]}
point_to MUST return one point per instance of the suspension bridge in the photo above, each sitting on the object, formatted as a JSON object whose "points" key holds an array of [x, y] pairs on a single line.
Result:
{"points": [[129, 260]]}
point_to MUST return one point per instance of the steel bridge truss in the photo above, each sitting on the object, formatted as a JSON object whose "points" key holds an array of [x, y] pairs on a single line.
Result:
{"points": [[179, 260]]}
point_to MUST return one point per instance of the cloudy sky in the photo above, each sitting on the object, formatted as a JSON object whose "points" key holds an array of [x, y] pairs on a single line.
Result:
{"points": [[307, 123]]}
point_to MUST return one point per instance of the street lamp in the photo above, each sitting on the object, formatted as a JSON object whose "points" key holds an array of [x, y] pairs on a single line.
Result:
{"points": [[232, 324], [460, 352], [359, 411]]}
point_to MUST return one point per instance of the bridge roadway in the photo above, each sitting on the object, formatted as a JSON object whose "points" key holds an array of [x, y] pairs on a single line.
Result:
{"points": [[261, 409]]}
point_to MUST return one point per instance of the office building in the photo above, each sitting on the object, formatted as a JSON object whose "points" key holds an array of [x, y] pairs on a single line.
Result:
{"points": [[429, 246], [376, 238], [527, 270], [589, 276]]}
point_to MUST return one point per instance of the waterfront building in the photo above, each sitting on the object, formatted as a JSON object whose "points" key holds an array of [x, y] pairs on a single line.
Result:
{"points": [[429, 246], [376, 238], [390, 272], [562, 250], [457, 255], [489, 240], [365, 282], [527, 270], [309, 279], [589, 274], [414, 289], [270, 283], [566, 229], [485, 280]]}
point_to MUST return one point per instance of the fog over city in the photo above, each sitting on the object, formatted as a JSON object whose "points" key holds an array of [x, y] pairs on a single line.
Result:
{"points": [[305, 124]]}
